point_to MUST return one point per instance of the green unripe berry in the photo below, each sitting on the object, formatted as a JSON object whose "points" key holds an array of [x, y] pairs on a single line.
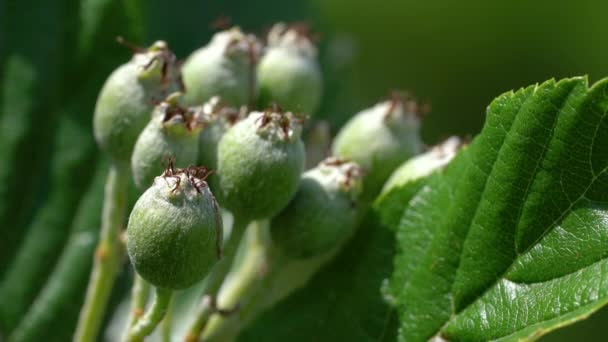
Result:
{"points": [[172, 133], [323, 212], [260, 160], [128, 96], [217, 118], [175, 230], [409, 178], [379, 139], [289, 73], [225, 67], [424, 164]]}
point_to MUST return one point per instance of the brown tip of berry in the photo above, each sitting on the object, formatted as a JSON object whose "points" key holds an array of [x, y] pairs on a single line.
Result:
{"points": [[133, 47], [196, 175], [188, 114], [398, 98], [222, 22], [304, 30]]}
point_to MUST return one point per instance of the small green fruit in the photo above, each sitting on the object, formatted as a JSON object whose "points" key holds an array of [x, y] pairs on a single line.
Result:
{"points": [[379, 139], [128, 96], [323, 212], [225, 67], [172, 133], [422, 165], [175, 230], [260, 160], [217, 118], [289, 73]]}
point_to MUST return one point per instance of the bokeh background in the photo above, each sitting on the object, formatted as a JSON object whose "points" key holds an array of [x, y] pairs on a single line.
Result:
{"points": [[455, 55]]}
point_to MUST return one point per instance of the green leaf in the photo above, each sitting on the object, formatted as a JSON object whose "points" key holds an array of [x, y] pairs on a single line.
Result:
{"points": [[32, 68], [510, 241]]}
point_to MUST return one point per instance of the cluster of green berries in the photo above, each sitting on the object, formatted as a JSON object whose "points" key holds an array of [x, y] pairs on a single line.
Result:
{"points": [[225, 115]]}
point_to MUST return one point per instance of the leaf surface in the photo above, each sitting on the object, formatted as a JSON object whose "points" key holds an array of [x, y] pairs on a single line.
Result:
{"points": [[511, 240]]}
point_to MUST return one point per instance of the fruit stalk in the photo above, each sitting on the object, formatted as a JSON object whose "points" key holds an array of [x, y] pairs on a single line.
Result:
{"points": [[139, 298], [240, 285], [215, 279], [166, 325], [145, 326], [107, 255]]}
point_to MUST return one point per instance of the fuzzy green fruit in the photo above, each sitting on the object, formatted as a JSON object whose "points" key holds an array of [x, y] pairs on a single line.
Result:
{"points": [[289, 73], [172, 133], [217, 118], [323, 212], [379, 139], [175, 230], [225, 67], [128, 96], [424, 164], [260, 160]]}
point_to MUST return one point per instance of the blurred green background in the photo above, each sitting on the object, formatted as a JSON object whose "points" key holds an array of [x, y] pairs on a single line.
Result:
{"points": [[455, 55]]}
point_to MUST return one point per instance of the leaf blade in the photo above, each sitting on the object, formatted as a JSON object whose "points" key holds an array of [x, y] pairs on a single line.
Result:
{"points": [[538, 161]]}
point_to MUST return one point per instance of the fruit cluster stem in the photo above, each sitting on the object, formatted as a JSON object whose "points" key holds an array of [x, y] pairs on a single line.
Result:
{"points": [[146, 325], [265, 276], [107, 255], [216, 277], [242, 284], [139, 299]]}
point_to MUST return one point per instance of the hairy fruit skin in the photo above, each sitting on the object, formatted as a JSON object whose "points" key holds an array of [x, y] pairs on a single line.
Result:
{"points": [[259, 167], [174, 232], [322, 213], [128, 96], [289, 74], [225, 67], [164, 137], [218, 118], [423, 164], [379, 139]]}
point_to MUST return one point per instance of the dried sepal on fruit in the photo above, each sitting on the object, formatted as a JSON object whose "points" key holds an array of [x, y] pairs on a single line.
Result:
{"points": [[289, 72], [225, 67], [380, 138], [175, 229], [128, 96], [323, 212], [173, 132], [260, 160]]}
